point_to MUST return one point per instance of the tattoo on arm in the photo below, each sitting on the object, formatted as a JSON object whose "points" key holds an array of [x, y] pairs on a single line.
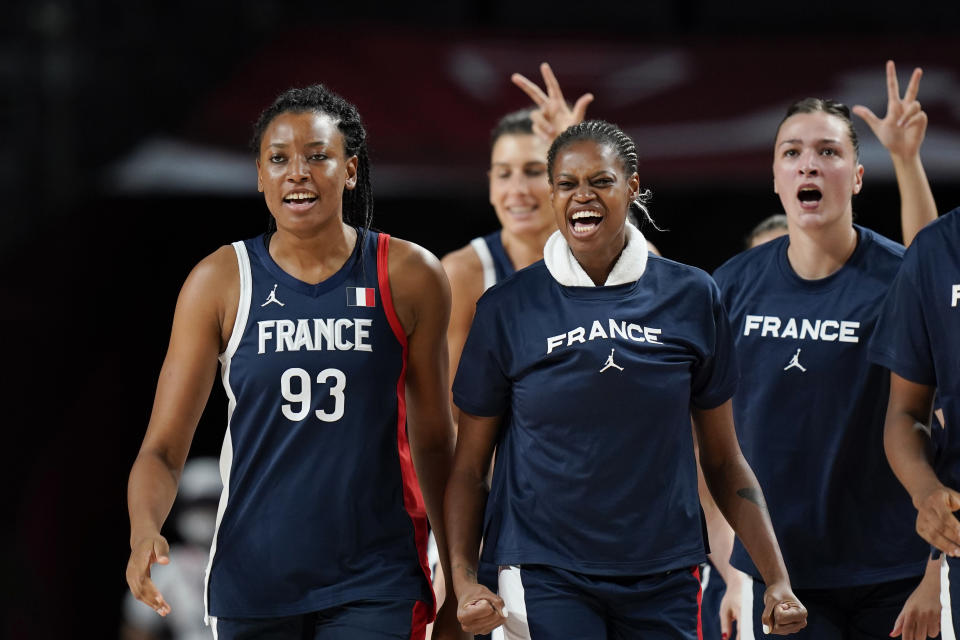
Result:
{"points": [[469, 571], [753, 494]]}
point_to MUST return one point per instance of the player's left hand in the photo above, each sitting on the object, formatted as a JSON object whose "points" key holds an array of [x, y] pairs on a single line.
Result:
{"points": [[902, 130], [920, 618], [782, 612], [553, 115], [447, 626]]}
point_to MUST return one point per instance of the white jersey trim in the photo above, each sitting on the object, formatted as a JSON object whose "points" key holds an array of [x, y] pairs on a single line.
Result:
{"points": [[486, 259], [243, 306], [226, 452], [948, 630], [510, 589], [745, 622]]}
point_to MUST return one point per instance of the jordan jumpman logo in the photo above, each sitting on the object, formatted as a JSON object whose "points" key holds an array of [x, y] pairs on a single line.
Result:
{"points": [[610, 363], [795, 362], [273, 298]]}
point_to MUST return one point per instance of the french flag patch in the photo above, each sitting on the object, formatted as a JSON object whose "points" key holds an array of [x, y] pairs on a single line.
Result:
{"points": [[361, 297]]}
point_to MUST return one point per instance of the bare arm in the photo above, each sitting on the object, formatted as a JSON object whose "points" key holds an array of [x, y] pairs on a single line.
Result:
{"points": [[719, 531], [721, 536], [917, 207], [465, 272], [199, 327], [902, 131], [906, 443], [738, 495], [422, 299], [479, 610]]}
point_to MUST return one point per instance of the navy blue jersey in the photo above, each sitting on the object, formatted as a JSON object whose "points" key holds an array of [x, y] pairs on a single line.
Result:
{"points": [[810, 411], [918, 335], [595, 468], [496, 263], [320, 505]]}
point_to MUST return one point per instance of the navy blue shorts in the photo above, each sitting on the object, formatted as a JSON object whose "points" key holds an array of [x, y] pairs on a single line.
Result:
{"points": [[848, 613], [547, 603], [365, 620]]}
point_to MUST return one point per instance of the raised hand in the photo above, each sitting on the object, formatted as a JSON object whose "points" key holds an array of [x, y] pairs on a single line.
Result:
{"points": [[902, 129], [553, 114]]}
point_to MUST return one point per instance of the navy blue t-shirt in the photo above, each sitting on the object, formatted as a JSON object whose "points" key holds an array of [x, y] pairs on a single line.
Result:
{"points": [[595, 467], [810, 411], [918, 334]]}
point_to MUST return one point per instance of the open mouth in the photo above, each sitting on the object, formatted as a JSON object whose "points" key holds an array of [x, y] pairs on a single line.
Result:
{"points": [[809, 195], [584, 222], [300, 198]]}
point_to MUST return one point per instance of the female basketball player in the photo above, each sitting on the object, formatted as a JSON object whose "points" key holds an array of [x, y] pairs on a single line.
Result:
{"points": [[810, 407], [918, 339], [331, 342], [520, 195], [583, 371]]}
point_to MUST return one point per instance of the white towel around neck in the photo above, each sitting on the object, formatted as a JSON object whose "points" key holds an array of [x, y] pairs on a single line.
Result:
{"points": [[565, 269]]}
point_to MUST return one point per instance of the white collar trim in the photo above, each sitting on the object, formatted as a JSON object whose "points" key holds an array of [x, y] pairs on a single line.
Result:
{"points": [[565, 269]]}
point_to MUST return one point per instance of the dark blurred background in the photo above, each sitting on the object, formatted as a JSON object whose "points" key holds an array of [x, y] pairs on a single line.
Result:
{"points": [[123, 129]]}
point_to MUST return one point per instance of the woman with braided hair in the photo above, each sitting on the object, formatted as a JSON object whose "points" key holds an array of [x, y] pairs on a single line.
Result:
{"points": [[331, 340], [583, 370]]}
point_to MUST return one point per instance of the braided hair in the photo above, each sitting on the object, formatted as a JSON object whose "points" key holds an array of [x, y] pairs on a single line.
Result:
{"points": [[610, 135], [357, 202]]}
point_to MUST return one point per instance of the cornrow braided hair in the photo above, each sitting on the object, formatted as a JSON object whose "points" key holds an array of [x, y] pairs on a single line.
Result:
{"points": [[610, 135], [357, 202]]}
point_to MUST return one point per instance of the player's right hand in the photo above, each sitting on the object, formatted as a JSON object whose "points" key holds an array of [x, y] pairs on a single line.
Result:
{"points": [[480, 610], [935, 520], [783, 613], [145, 553]]}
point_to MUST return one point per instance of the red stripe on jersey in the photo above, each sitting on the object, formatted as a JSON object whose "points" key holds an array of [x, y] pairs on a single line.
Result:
{"points": [[696, 574], [412, 497], [369, 302], [421, 617]]}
